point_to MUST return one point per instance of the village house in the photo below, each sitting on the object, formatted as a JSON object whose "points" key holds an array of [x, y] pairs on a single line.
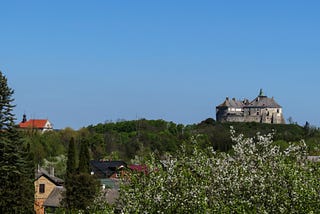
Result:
{"points": [[107, 169], [48, 190], [41, 125], [110, 174], [262, 109]]}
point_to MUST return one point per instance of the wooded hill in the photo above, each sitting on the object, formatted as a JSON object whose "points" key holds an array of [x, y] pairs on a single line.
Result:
{"points": [[127, 139]]}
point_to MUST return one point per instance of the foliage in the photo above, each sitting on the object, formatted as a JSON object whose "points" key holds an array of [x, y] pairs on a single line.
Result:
{"points": [[70, 197], [16, 161], [86, 191], [258, 177], [82, 189], [84, 159], [126, 139]]}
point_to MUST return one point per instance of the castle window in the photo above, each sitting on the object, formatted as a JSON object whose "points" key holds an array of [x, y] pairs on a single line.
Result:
{"points": [[257, 113], [278, 110], [42, 188]]}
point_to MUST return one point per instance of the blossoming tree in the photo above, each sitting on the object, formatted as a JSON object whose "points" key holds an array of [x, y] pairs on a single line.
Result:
{"points": [[256, 177]]}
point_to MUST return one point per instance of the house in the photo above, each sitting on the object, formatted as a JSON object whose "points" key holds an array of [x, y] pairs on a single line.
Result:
{"points": [[47, 190], [262, 109], [37, 124], [107, 169], [54, 199]]}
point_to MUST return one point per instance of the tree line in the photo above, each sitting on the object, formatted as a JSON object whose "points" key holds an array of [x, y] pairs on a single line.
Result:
{"points": [[124, 140]]}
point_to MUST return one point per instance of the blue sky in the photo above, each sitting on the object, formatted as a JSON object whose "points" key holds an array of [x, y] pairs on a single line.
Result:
{"points": [[84, 62]]}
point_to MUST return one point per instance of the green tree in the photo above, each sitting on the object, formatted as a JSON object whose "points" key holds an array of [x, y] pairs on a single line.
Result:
{"points": [[82, 189], [16, 161], [87, 186], [84, 158], [70, 185]]}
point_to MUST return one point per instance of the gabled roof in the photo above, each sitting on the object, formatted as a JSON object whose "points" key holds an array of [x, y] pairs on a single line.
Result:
{"points": [[106, 168], [42, 172], [34, 123], [55, 197], [263, 102], [231, 103]]}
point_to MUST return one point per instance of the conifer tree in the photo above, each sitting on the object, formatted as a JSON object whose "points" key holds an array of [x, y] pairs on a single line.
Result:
{"points": [[16, 162], [84, 158], [81, 187], [70, 174]]}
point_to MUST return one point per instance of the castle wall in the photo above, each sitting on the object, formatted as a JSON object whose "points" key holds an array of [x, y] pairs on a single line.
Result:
{"points": [[258, 115]]}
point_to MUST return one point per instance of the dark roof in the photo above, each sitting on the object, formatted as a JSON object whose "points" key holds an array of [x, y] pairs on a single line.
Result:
{"points": [[106, 168], [55, 197], [42, 172], [232, 103], [263, 102]]}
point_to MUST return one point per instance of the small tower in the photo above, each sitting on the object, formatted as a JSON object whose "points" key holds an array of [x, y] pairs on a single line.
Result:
{"points": [[261, 94], [24, 118]]}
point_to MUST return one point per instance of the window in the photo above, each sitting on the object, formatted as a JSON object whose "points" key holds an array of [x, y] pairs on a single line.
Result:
{"points": [[118, 175], [42, 188]]}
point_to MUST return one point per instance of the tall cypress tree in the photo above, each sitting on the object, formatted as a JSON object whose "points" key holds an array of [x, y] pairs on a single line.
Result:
{"points": [[16, 163], [71, 163], [81, 187], [84, 158], [70, 185]]}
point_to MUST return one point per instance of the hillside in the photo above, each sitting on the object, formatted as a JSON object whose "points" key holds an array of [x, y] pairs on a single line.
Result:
{"points": [[127, 139]]}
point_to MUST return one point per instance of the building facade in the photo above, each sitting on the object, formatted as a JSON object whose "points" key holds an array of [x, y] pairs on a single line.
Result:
{"points": [[262, 109], [45, 184]]}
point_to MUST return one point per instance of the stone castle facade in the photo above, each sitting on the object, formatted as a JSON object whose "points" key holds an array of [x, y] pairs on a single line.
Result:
{"points": [[261, 110]]}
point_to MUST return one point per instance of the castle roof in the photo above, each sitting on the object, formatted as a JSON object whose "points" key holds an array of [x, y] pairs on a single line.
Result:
{"points": [[231, 103], [263, 102]]}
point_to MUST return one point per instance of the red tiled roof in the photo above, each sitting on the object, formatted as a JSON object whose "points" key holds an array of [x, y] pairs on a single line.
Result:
{"points": [[138, 168], [34, 123]]}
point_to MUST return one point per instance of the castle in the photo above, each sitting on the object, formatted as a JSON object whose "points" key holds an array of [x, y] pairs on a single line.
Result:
{"points": [[261, 110]]}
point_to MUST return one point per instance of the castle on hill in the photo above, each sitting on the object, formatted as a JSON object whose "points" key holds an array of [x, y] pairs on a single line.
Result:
{"points": [[261, 110]]}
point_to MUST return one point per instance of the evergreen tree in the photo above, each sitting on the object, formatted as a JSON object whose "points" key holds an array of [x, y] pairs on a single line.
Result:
{"points": [[16, 162], [88, 186], [71, 163], [81, 188], [70, 174], [84, 158]]}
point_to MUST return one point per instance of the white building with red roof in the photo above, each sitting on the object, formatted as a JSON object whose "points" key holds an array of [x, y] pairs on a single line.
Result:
{"points": [[38, 124]]}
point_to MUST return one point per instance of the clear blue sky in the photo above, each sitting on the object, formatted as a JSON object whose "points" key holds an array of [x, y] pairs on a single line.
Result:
{"points": [[84, 62]]}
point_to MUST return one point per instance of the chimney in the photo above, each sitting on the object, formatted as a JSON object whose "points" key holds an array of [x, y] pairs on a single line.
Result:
{"points": [[51, 171]]}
